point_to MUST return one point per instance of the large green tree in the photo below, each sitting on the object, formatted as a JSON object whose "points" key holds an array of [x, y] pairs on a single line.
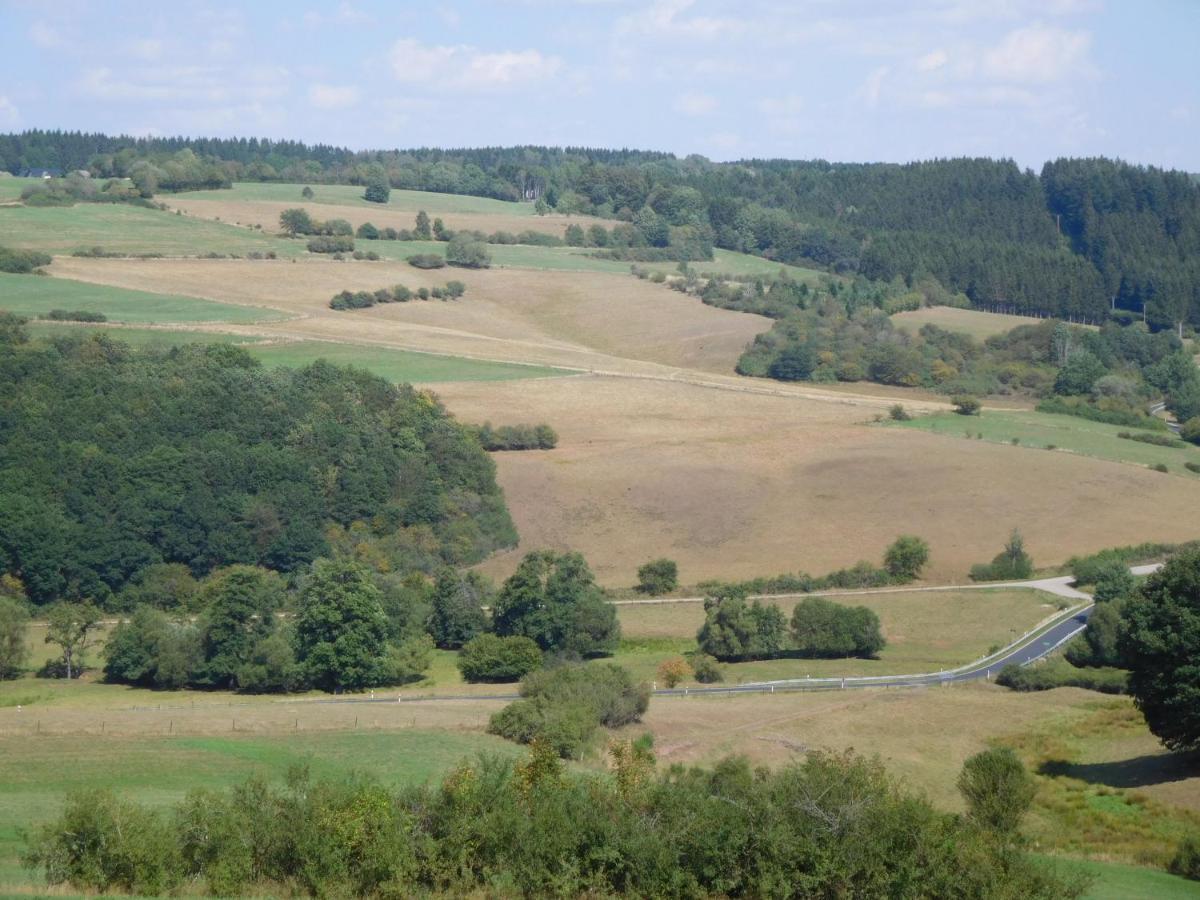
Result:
{"points": [[240, 603], [457, 613], [735, 630], [553, 599], [341, 627], [14, 633], [1160, 645], [72, 626]]}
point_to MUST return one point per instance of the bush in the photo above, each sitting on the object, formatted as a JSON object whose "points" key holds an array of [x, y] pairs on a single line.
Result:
{"points": [[330, 244], [1011, 564], [74, 315], [823, 628], [705, 668], [659, 576], [468, 253], [966, 406], [367, 232], [898, 413], [491, 658], [998, 789], [1186, 861], [1190, 430], [1158, 440], [516, 437], [1059, 673], [427, 261], [1109, 414], [22, 262], [672, 671], [906, 557], [565, 705], [1160, 467]]}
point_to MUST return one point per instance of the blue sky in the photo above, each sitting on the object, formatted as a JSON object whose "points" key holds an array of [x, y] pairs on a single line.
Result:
{"points": [[859, 80]]}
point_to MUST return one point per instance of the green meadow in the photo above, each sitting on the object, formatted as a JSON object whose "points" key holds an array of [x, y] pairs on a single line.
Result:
{"points": [[37, 295], [119, 228], [1042, 431]]}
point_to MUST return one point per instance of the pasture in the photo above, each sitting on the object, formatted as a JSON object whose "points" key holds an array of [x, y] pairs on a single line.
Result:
{"points": [[1035, 431], [11, 187], [119, 228], [33, 296], [973, 322]]}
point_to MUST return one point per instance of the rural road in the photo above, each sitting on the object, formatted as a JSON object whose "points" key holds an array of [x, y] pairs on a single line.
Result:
{"points": [[1161, 407]]}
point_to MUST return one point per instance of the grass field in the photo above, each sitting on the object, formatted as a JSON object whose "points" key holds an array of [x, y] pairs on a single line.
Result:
{"points": [[129, 229], [1117, 881], [976, 323], [34, 295], [138, 337], [10, 188], [925, 631], [35, 776], [352, 195], [1072, 434]]}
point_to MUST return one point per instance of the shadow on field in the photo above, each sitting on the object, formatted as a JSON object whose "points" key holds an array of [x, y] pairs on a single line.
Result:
{"points": [[1137, 771]]}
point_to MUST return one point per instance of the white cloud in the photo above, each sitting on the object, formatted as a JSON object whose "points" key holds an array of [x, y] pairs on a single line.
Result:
{"points": [[462, 67], [932, 61], [873, 86], [332, 96], [149, 49], [666, 18], [45, 37], [791, 105], [695, 104], [9, 114], [1040, 54]]}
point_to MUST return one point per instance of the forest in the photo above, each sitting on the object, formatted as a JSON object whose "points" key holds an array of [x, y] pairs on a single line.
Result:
{"points": [[1080, 239], [116, 460]]}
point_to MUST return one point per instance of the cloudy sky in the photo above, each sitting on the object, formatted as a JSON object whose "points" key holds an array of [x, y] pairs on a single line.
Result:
{"points": [[837, 79]]}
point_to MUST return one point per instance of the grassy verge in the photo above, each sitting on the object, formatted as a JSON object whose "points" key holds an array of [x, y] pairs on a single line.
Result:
{"points": [[130, 229], [35, 295], [1041, 431]]}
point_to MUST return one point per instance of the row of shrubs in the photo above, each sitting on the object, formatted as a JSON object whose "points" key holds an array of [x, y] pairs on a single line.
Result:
{"points": [[397, 294], [1058, 673], [1110, 415], [1158, 440], [74, 315], [460, 251], [22, 262], [368, 232], [516, 437], [825, 825]]}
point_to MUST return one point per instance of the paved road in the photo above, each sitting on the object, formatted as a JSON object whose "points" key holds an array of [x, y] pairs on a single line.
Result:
{"points": [[1160, 407]]}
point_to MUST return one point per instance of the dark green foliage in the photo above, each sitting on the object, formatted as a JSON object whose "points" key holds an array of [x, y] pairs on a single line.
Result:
{"points": [[74, 315], [1080, 372], [297, 221], [492, 658], [659, 576], [1059, 673], [165, 586], [1190, 430], [553, 599], [823, 628], [1158, 440], [905, 558], [898, 413], [998, 790], [114, 460], [735, 631], [421, 231], [824, 826], [153, 649], [705, 668], [367, 232], [271, 666], [1097, 646], [794, 363], [396, 294], [378, 188], [1090, 569], [22, 262], [342, 632], [72, 626], [427, 261], [563, 706], [239, 611], [966, 406], [1010, 564], [327, 244], [1109, 413], [457, 605], [1114, 581], [574, 236], [1160, 643], [1186, 861], [14, 633], [469, 254], [516, 437]]}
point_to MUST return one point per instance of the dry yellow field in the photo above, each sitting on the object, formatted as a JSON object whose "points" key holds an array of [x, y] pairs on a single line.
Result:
{"points": [[737, 485], [977, 324], [265, 213]]}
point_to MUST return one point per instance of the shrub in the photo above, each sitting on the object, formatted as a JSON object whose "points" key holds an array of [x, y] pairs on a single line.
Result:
{"points": [[1089, 569], [468, 254], [1010, 564], [966, 406], [898, 413], [735, 630], [22, 262], [906, 557], [74, 315], [1059, 673], [367, 232], [1186, 861], [705, 668], [1190, 430], [659, 576], [330, 244], [1192, 467], [1097, 646], [672, 671], [1108, 414], [1158, 440], [427, 261], [1160, 467], [998, 789], [455, 289], [516, 437], [823, 628], [491, 658]]}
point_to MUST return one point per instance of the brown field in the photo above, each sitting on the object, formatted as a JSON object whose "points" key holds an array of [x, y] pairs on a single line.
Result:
{"points": [[265, 213], [738, 485], [976, 323]]}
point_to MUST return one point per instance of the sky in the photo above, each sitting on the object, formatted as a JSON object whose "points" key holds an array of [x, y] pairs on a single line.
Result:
{"points": [[844, 80]]}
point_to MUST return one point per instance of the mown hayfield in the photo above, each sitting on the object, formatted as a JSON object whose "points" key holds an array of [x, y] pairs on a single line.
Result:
{"points": [[735, 485], [974, 322], [926, 632], [11, 187], [587, 321], [1035, 431], [119, 228], [34, 296], [138, 337]]}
